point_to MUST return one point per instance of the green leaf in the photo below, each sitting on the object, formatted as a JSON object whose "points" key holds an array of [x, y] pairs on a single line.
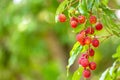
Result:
{"points": [[83, 7], [116, 33], [60, 9], [105, 2], [118, 71], [117, 54], [73, 54], [112, 69], [104, 75], [90, 4], [108, 12], [78, 73]]}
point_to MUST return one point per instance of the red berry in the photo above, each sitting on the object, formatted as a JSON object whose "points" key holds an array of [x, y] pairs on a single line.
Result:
{"points": [[95, 42], [92, 65], [84, 62], [99, 26], [74, 19], [83, 32], [80, 59], [91, 52], [80, 37], [87, 40], [90, 30], [61, 17], [81, 19], [93, 19], [85, 56], [73, 24], [86, 73]]}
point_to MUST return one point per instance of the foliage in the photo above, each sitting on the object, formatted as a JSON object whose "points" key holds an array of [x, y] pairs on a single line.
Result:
{"points": [[107, 16]]}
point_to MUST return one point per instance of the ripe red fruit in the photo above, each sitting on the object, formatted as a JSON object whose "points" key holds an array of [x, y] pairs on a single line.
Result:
{"points": [[92, 65], [61, 17], [83, 32], [95, 42], [91, 52], [93, 19], [99, 26], [87, 40], [73, 24], [80, 37], [90, 30], [81, 19], [85, 56], [86, 73], [84, 62], [80, 59], [74, 19]]}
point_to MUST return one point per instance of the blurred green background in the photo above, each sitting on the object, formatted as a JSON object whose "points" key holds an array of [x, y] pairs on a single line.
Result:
{"points": [[34, 47]]}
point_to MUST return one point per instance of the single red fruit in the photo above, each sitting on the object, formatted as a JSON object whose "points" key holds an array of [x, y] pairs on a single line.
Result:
{"points": [[81, 19], [80, 38], [61, 17], [74, 19], [86, 73], [90, 30], [85, 55], [87, 40], [91, 52], [93, 19], [92, 65], [80, 59], [99, 26], [84, 62], [73, 24], [83, 32], [95, 42], [82, 42]]}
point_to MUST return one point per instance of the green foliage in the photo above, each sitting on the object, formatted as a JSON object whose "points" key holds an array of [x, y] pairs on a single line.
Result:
{"points": [[106, 15], [78, 73], [113, 72], [117, 54], [73, 54], [82, 7]]}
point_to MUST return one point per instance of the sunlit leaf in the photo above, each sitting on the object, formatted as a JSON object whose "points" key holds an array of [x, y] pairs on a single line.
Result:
{"points": [[105, 2], [83, 7], [90, 4], [78, 73], [104, 74], [73, 54], [108, 12], [117, 54], [116, 33], [112, 68]]}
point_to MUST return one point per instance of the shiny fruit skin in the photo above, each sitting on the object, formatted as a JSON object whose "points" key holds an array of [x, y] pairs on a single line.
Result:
{"points": [[61, 17], [99, 26], [86, 73], [92, 65], [90, 30], [93, 19], [81, 19], [73, 24], [95, 42]]}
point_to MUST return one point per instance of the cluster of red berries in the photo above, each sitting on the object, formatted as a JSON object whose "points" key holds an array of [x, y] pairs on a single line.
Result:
{"points": [[84, 62], [85, 37]]}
